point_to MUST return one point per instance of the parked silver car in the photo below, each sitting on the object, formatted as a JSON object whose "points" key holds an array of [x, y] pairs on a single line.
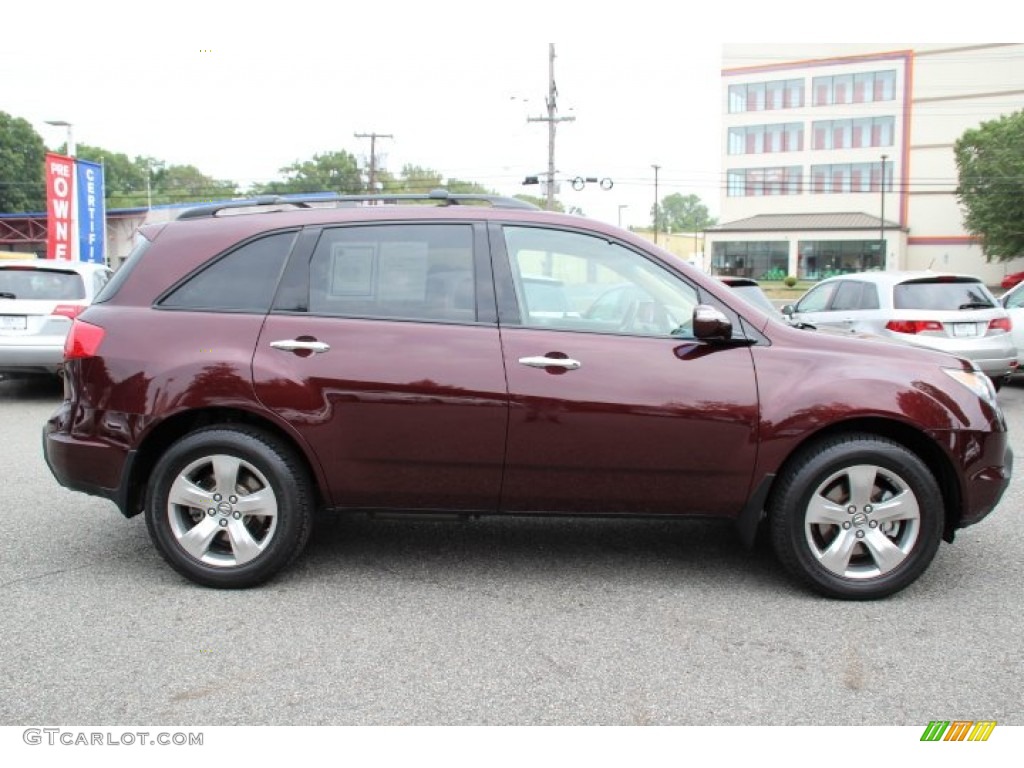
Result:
{"points": [[38, 300], [952, 313], [1013, 303]]}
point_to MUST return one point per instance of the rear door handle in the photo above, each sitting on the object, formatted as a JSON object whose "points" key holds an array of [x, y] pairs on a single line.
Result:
{"points": [[551, 362], [294, 345]]}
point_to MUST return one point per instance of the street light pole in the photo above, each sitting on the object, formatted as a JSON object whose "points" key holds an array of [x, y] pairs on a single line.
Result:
{"points": [[656, 168], [70, 140], [881, 221]]}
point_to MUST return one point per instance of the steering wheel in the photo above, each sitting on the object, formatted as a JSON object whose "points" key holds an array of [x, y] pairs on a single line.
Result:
{"points": [[646, 316]]}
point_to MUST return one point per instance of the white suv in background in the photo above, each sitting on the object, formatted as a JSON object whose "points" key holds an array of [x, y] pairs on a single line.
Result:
{"points": [[952, 313], [38, 300]]}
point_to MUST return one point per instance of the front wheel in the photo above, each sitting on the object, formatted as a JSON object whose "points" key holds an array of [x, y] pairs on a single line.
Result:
{"points": [[856, 517], [229, 507]]}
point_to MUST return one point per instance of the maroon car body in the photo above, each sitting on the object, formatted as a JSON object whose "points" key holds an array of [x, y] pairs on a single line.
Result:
{"points": [[443, 415]]}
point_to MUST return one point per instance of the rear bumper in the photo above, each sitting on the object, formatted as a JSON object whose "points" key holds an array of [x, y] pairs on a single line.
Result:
{"points": [[72, 458], [31, 354]]}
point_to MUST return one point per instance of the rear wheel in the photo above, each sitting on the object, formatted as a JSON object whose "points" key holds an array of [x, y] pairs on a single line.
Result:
{"points": [[856, 517], [229, 507]]}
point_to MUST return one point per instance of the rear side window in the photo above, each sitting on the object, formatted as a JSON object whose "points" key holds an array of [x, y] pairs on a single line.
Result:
{"points": [[855, 295], [242, 281], [943, 295], [40, 284], [395, 271]]}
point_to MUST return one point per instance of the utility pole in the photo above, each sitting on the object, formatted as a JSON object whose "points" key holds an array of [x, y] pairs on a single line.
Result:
{"points": [[656, 168], [552, 119], [373, 155], [881, 220]]}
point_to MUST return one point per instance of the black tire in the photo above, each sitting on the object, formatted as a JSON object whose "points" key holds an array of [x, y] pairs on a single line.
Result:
{"points": [[877, 517], [226, 539]]}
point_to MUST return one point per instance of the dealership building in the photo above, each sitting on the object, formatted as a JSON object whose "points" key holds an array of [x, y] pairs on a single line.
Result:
{"points": [[839, 158]]}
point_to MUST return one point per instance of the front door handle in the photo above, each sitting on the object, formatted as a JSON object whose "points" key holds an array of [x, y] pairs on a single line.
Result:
{"points": [[551, 362], [294, 345]]}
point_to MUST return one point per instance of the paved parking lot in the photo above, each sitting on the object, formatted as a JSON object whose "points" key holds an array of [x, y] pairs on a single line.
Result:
{"points": [[497, 622]]}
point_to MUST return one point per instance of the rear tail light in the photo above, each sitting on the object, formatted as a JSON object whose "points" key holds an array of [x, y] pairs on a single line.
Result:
{"points": [[1000, 324], [70, 311], [83, 340], [913, 326]]}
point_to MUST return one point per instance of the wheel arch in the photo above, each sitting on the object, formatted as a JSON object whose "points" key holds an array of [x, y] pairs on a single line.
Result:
{"points": [[914, 440], [177, 426]]}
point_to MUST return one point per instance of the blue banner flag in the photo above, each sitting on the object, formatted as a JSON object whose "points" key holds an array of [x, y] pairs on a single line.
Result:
{"points": [[92, 213]]}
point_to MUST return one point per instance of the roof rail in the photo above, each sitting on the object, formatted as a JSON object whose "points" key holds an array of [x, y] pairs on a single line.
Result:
{"points": [[439, 196]]}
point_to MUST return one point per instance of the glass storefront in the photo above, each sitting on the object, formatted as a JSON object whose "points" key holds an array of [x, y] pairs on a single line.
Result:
{"points": [[818, 259], [761, 260]]}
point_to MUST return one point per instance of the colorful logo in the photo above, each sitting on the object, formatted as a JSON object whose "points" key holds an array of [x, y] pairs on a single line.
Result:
{"points": [[958, 730]]}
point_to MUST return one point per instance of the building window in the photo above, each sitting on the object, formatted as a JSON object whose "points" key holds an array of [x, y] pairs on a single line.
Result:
{"points": [[854, 89], [757, 97], [758, 182], [758, 139], [853, 134], [761, 260], [849, 177], [818, 259]]}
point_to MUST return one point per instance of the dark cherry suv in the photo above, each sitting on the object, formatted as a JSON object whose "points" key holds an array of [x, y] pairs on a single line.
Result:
{"points": [[254, 362]]}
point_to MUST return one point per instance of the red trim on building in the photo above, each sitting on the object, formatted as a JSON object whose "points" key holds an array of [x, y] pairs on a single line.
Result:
{"points": [[947, 240], [830, 62]]}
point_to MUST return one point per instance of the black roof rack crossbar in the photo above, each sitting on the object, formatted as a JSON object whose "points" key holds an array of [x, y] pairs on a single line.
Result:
{"points": [[440, 196]]}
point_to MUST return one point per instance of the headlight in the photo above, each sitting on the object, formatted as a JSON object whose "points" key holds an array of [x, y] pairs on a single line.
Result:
{"points": [[977, 382]]}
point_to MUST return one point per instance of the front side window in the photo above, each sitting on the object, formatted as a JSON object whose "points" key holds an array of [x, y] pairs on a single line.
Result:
{"points": [[575, 282], [395, 271], [818, 298]]}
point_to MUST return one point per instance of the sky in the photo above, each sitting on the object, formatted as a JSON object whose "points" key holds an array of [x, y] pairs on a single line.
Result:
{"points": [[241, 90]]}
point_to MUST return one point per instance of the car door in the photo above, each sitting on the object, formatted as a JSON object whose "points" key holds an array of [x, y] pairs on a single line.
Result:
{"points": [[382, 351], [847, 305], [617, 410]]}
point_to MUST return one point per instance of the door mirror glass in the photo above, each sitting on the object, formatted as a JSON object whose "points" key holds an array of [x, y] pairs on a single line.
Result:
{"points": [[710, 324]]}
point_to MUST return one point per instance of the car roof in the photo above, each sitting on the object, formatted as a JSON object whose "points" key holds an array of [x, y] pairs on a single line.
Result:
{"points": [[891, 278], [53, 265]]}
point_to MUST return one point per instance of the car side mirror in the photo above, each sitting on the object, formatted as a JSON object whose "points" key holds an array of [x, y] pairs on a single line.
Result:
{"points": [[710, 324], [788, 310]]}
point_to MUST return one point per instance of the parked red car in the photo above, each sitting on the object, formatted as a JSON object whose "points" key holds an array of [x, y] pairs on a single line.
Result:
{"points": [[241, 371], [1011, 280]]}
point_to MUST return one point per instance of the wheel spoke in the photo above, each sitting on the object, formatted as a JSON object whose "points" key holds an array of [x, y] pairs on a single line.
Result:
{"points": [[862, 484], [262, 502], [883, 551], [225, 473], [185, 493], [903, 506], [244, 546], [837, 557], [196, 541], [821, 511]]}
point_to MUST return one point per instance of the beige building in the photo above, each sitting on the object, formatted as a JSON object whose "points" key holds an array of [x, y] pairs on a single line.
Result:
{"points": [[839, 157]]}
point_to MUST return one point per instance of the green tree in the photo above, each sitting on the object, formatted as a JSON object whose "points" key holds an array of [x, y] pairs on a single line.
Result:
{"points": [[680, 213], [124, 179], [187, 184], [22, 163], [541, 202], [327, 172], [990, 164]]}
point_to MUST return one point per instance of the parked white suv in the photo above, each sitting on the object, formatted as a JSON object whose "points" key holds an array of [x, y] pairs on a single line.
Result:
{"points": [[952, 313], [38, 300]]}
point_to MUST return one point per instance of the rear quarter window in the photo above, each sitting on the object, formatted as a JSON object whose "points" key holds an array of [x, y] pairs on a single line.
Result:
{"points": [[244, 280]]}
